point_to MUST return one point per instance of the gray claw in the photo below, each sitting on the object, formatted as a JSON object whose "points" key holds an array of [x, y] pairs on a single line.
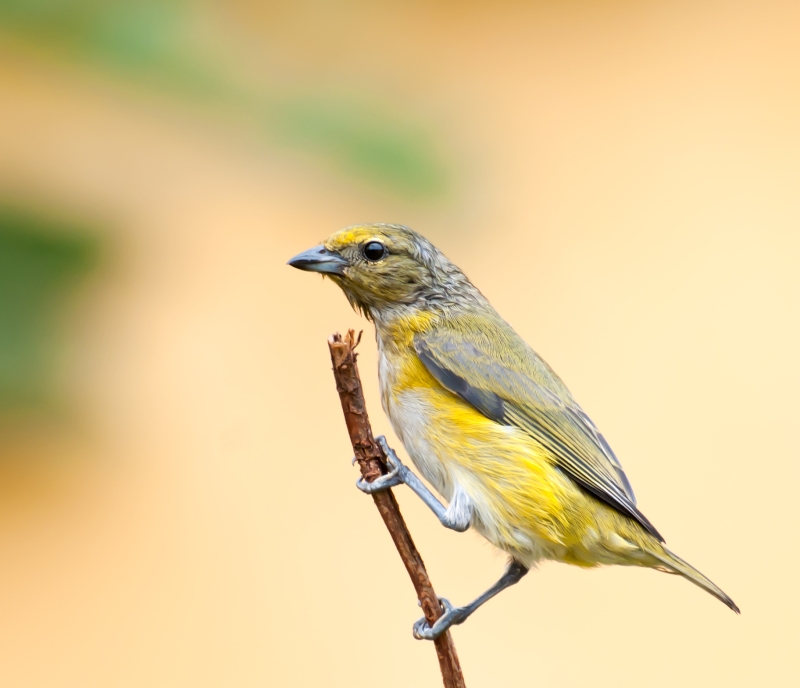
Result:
{"points": [[384, 482], [395, 476], [421, 630], [452, 616]]}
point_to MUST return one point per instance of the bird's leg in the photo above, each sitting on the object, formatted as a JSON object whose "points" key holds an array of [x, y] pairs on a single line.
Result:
{"points": [[457, 516], [457, 615]]}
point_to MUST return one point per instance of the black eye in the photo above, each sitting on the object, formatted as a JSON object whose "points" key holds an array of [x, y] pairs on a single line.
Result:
{"points": [[374, 250]]}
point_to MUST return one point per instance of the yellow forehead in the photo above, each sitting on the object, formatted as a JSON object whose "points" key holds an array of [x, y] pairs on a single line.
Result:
{"points": [[350, 236]]}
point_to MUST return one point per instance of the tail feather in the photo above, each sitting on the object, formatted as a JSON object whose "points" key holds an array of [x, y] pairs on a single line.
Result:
{"points": [[674, 564]]}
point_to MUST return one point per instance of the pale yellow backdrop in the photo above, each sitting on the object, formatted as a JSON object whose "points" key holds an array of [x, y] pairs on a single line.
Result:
{"points": [[625, 188]]}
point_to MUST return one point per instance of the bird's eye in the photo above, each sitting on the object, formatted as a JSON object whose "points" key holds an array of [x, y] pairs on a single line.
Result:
{"points": [[374, 250]]}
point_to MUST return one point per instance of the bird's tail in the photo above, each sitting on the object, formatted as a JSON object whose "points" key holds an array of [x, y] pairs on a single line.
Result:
{"points": [[674, 564]]}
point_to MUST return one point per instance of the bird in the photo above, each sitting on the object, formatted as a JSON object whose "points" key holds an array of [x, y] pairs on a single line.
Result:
{"points": [[486, 422]]}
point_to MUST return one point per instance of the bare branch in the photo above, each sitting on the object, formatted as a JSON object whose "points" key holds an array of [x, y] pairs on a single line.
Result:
{"points": [[373, 464]]}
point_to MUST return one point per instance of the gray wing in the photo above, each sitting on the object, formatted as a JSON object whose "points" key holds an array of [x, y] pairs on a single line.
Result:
{"points": [[506, 381]]}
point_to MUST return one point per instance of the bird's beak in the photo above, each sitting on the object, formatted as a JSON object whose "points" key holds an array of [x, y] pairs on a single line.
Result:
{"points": [[320, 259]]}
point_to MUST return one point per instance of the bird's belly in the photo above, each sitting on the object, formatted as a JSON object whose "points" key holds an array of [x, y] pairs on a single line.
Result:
{"points": [[521, 502]]}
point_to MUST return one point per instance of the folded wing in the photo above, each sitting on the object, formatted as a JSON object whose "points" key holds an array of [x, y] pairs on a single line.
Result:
{"points": [[490, 367]]}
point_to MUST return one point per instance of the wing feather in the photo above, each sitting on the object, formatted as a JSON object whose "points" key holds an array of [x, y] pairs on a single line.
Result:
{"points": [[503, 378]]}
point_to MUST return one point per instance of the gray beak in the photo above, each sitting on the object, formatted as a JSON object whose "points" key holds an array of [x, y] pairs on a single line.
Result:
{"points": [[320, 259]]}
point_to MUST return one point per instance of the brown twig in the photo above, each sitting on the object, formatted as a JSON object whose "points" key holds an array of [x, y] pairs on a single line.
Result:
{"points": [[373, 463]]}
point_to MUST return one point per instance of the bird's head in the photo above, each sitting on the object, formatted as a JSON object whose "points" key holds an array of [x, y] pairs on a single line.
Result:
{"points": [[384, 267]]}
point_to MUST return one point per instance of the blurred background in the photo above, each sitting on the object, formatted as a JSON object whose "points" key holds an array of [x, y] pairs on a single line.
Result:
{"points": [[177, 508]]}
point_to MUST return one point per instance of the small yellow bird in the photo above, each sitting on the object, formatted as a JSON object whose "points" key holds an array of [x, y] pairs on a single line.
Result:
{"points": [[485, 420]]}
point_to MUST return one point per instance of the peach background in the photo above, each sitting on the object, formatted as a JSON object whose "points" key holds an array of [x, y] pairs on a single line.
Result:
{"points": [[627, 196]]}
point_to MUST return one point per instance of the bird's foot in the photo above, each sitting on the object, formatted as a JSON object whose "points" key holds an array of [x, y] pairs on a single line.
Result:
{"points": [[451, 617], [395, 476]]}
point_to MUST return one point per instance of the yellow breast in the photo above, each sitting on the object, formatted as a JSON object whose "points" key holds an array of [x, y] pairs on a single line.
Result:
{"points": [[521, 500]]}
